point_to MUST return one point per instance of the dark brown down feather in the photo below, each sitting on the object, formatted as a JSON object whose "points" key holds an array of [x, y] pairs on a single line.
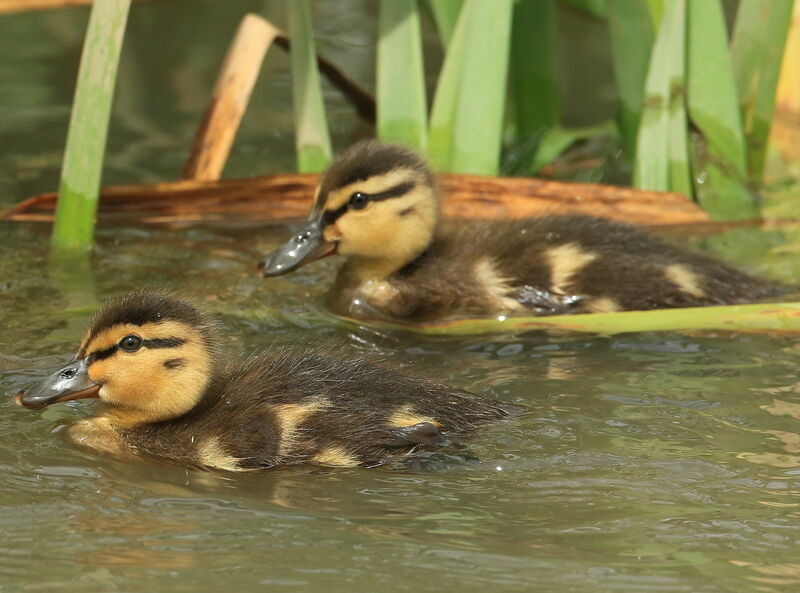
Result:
{"points": [[239, 409], [165, 392], [629, 268]]}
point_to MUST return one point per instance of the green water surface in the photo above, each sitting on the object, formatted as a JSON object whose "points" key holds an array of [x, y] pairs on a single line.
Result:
{"points": [[653, 462]]}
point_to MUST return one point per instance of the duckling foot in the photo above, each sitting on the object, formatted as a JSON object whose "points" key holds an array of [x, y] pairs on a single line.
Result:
{"points": [[544, 302]]}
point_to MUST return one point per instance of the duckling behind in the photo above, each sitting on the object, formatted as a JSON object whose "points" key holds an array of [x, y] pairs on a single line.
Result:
{"points": [[152, 361], [378, 206]]}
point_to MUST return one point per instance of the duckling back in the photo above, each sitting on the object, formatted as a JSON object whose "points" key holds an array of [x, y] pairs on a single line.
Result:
{"points": [[545, 266], [294, 407]]}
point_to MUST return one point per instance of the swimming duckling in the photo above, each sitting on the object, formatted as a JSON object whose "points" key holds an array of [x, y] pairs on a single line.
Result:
{"points": [[378, 206], [151, 359]]}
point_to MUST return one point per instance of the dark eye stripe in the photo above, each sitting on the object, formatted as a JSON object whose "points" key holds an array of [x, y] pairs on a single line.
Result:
{"points": [[154, 343], [102, 354], [393, 192], [330, 216], [164, 342]]}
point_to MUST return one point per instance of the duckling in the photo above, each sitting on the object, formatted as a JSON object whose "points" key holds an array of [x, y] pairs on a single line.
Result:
{"points": [[377, 205], [152, 360]]}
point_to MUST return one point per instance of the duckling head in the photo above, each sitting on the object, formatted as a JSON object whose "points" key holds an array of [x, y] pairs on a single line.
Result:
{"points": [[148, 356], [377, 205]]}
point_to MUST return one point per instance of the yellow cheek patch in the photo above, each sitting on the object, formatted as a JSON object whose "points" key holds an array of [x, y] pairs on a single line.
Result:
{"points": [[331, 233], [335, 456], [405, 416], [685, 279], [141, 386], [212, 454], [290, 416], [565, 261]]}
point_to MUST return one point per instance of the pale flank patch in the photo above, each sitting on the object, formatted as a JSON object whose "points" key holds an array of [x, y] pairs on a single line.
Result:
{"points": [[289, 416], [405, 416], [98, 434], [685, 279], [378, 293], [335, 456], [496, 287], [213, 455], [603, 305], [565, 261]]}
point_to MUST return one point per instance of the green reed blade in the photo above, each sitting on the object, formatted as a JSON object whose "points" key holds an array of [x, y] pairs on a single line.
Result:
{"points": [[597, 8], [467, 117], [719, 152], [402, 110], [662, 158], [759, 39], [81, 171], [443, 110], [312, 139], [533, 68], [445, 15], [631, 31], [656, 9], [680, 178], [782, 317]]}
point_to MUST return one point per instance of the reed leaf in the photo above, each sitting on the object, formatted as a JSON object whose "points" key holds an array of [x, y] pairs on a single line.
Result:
{"points": [[596, 8], [719, 146], [661, 145], [402, 110], [445, 15], [759, 38], [556, 140], [656, 9], [312, 139], [533, 68], [472, 90], [680, 177], [772, 317], [631, 31], [81, 171]]}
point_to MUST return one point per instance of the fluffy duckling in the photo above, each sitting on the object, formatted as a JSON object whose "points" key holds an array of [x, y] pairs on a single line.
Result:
{"points": [[151, 359], [377, 205]]}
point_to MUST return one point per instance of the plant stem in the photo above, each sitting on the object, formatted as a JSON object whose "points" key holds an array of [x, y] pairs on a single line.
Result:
{"points": [[88, 126]]}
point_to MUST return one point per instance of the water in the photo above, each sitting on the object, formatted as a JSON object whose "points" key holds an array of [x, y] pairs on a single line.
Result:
{"points": [[649, 462]]}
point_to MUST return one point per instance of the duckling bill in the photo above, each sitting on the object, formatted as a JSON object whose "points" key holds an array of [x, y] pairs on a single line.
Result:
{"points": [[378, 206], [166, 392]]}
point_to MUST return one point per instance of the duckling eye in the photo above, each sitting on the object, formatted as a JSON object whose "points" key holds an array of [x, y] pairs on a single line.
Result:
{"points": [[358, 201], [130, 343]]}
